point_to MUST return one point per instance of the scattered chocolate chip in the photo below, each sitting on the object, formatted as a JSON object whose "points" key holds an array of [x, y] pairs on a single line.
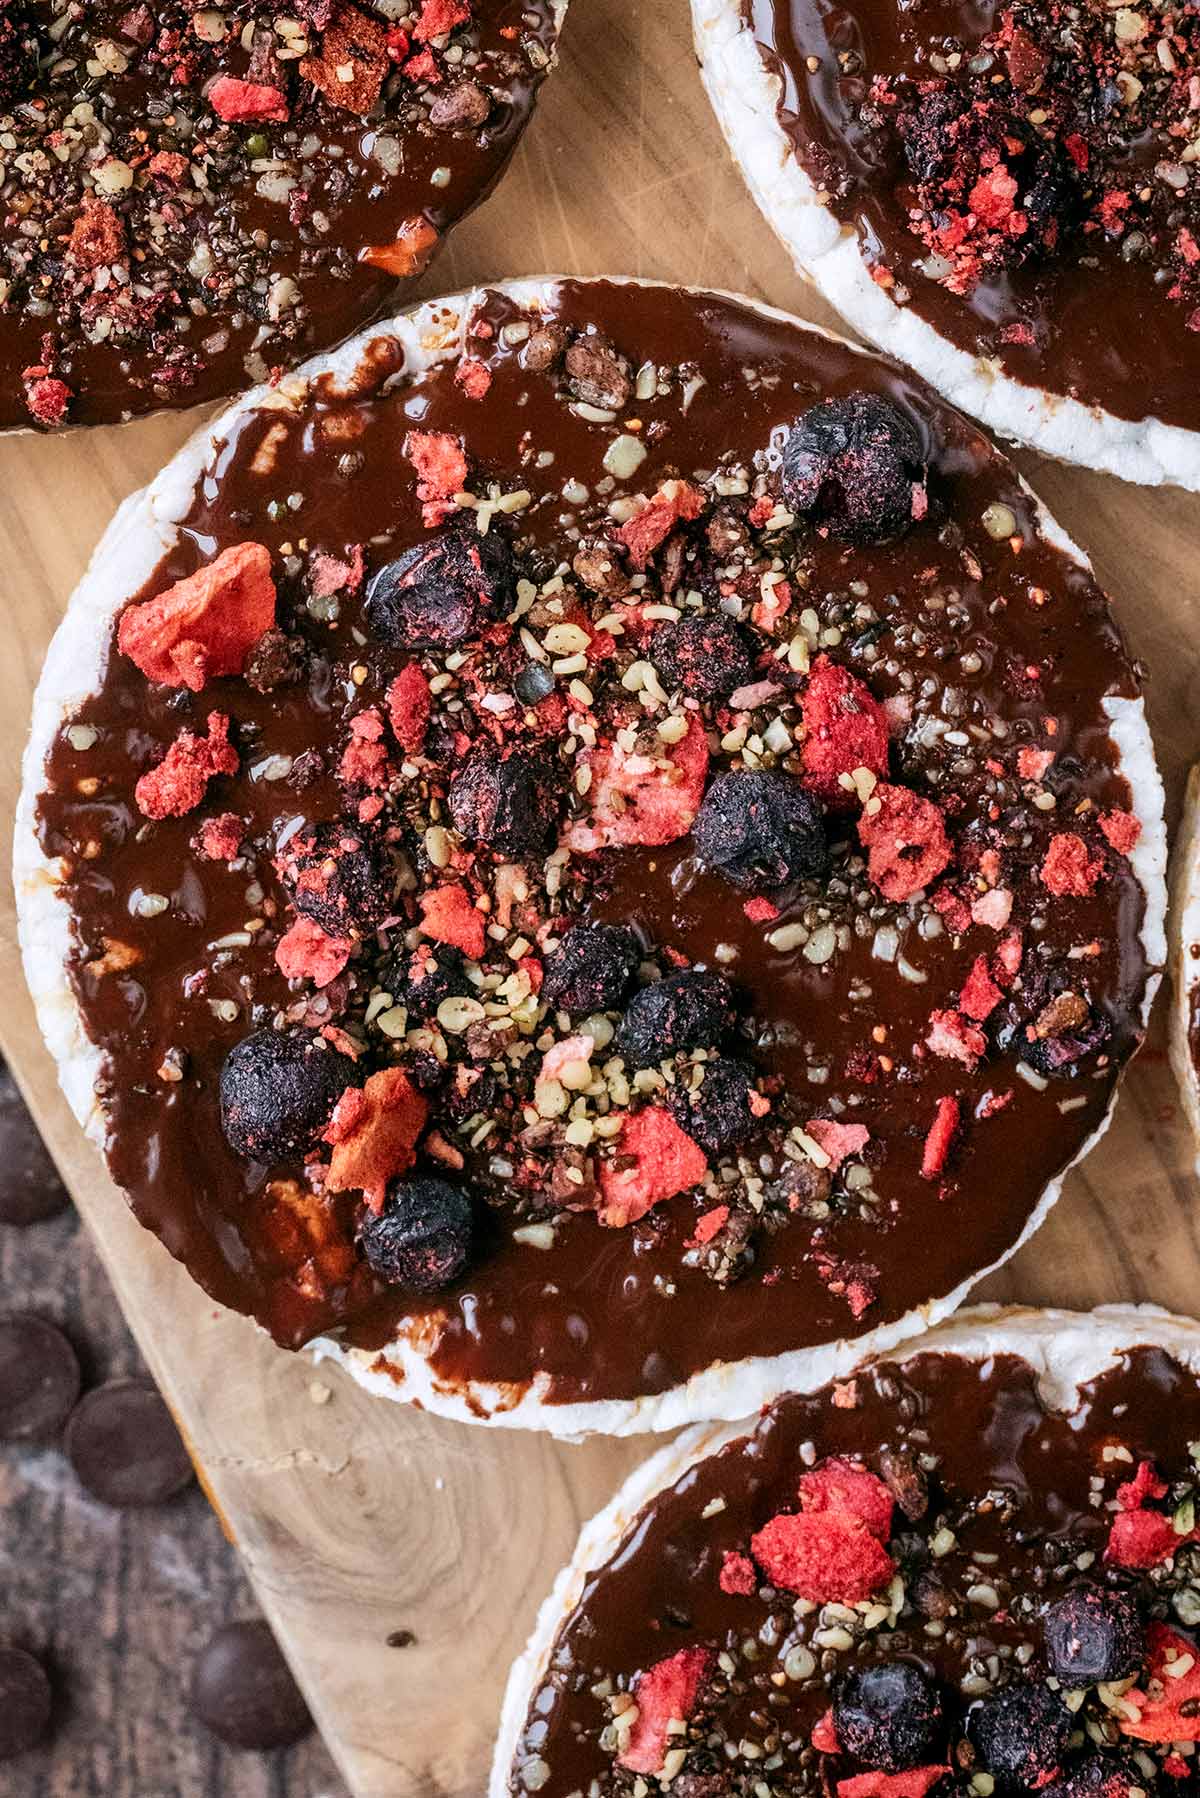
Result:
{"points": [[422, 1238], [889, 1715], [441, 592], [1093, 1635], [25, 1701], [30, 1189], [856, 466], [244, 1692], [717, 1113], [591, 969], [1020, 1735], [340, 876], [278, 1089], [124, 1445], [760, 829], [508, 803], [39, 1378], [597, 373], [706, 658], [688, 1010]]}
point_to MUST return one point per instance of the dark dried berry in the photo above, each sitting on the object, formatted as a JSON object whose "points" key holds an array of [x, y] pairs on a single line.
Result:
{"points": [[441, 592], [422, 1238], [510, 804], [1021, 1735], [1050, 1025], [278, 1089], [534, 683], [276, 660], [591, 969], [760, 829], [889, 1715], [689, 1010], [717, 1113], [706, 658], [340, 876], [420, 979], [856, 465], [1093, 1635], [1101, 1776]]}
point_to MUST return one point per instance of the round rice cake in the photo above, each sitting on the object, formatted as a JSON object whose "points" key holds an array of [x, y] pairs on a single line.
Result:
{"points": [[1185, 948], [1002, 196], [970, 1568], [594, 854], [198, 197]]}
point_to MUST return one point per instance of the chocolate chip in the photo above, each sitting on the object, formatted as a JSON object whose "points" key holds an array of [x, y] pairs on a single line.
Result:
{"points": [[278, 1090], [760, 829], [25, 1701], [124, 1446], [39, 1378], [422, 1238], [856, 466], [244, 1692], [30, 1189]]}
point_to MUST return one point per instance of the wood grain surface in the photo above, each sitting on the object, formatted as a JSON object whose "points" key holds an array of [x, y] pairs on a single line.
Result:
{"points": [[357, 1519]]}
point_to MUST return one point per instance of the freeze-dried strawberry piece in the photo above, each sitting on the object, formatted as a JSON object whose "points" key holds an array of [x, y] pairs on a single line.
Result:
{"points": [[852, 1490], [47, 398], [352, 61], [1033, 763], [993, 909], [824, 1556], [177, 785], [364, 760], [905, 839], [409, 703], [407, 254], [1146, 1483], [654, 1160], [1173, 1714], [761, 910], [914, 1783], [221, 838], [330, 574], [708, 1225], [246, 102], [474, 377], [666, 1693], [206, 624], [1122, 830], [649, 799], [441, 470], [980, 995], [954, 1038], [941, 1135], [439, 17], [824, 1737], [846, 729], [448, 916], [737, 1575], [675, 502], [1068, 871], [374, 1131], [97, 237], [838, 1140], [306, 952], [1141, 1539]]}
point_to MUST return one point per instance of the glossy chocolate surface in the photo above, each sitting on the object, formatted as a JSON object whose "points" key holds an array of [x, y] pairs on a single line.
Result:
{"points": [[996, 636], [1021, 1500], [227, 248], [1090, 320]]}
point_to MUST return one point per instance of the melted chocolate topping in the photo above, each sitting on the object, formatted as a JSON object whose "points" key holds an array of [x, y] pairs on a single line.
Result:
{"points": [[1010, 1505], [986, 645], [198, 197], [1093, 295]]}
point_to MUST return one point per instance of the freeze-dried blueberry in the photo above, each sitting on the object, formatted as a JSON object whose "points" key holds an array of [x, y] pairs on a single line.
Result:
{"points": [[706, 658], [1100, 1776], [340, 876], [591, 969], [421, 978], [1021, 1735], [889, 1715], [1093, 1635], [856, 465], [422, 1238], [717, 1113], [510, 804], [689, 1010], [440, 592], [278, 1089], [760, 829]]}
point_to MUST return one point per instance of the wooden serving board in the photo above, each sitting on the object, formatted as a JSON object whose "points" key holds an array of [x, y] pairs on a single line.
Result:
{"points": [[358, 1519]]}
